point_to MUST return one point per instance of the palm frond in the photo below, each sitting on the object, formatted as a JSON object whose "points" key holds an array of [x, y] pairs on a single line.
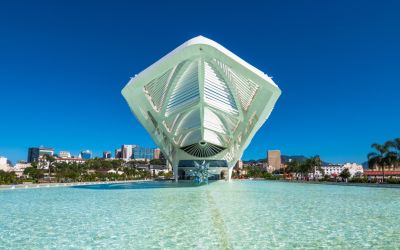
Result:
{"points": [[372, 155], [381, 148], [397, 142], [371, 163], [390, 144], [376, 146]]}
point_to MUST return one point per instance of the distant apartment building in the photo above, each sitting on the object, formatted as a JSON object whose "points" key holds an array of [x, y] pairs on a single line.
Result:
{"points": [[118, 153], [20, 167], [86, 154], [336, 169], [141, 153], [274, 159], [71, 160], [36, 153], [4, 164], [64, 154], [331, 170], [107, 155], [3, 160], [127, 151], [354, 168], [156, 169], [157, 153]]}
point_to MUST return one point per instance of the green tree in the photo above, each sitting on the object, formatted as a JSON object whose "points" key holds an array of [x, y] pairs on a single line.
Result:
{"points": [[130, 172], [33, 173], [345, 174], [313, 164], [49, 159], [395, 145], [168, 175], [7, 177], [382, 157], [156, 162], [293, 167], [310, 165]]}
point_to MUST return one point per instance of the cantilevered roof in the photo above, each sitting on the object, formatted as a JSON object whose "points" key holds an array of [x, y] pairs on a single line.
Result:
{"points": [[202, 99]]}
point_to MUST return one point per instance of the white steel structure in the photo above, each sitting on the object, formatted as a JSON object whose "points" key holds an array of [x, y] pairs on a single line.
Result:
{"points": [[201, 103]]}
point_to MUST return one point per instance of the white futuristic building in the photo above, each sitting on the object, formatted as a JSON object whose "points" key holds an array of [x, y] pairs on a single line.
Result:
{"points": [[201, 104]]}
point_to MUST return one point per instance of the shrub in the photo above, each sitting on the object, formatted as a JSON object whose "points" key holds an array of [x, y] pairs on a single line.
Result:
{"points": [[7, 177], [359, 180], [393, 181]]}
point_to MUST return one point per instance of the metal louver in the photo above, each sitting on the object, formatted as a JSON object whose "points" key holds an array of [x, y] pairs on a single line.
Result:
{"points": [[216, 91], [157, 89], [186, 91], [202, 149], [245, 88]]}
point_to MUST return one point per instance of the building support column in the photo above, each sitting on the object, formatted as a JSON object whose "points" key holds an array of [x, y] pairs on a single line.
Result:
{"points": [[175, 168], [169, 166], [229, 174]]}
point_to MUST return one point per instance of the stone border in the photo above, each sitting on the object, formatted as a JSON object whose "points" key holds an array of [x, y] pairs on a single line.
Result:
{"points": [[377, 185], [58, 184]]}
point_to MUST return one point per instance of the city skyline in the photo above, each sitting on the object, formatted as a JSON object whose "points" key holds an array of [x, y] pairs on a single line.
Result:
{"points": [[65, 63], [136, 152]]}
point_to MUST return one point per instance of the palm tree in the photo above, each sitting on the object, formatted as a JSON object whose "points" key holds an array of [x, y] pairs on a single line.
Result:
{"points": [[293, 167], [382, 158], [345, 174], [312, 165], [317, 164], [395, 144], [50, 159]]}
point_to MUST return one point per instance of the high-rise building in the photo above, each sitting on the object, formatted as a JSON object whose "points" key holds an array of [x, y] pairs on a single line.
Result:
{"points": [[86, 154], [127, 151], [106, 155], [201, 104], [35, 153], [156, 153], [3, 160], [143, 153], [118, 153], [64, 154], [274, 159], [4, 166]]}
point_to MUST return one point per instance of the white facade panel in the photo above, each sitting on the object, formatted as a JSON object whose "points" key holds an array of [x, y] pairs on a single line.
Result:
{"points": [[201, 103]]}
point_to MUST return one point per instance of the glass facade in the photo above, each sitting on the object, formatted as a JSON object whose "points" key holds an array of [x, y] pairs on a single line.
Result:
{"points": [[86, 155], [213, 163], [107, 155], [35, 153], [143, 153]]}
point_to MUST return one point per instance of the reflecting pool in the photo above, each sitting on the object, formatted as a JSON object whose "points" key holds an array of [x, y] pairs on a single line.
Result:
{"points": [[220, 215]]}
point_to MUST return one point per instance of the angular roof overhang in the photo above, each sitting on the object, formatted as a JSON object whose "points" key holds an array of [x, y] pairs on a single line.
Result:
{"points": [[201, 93]]}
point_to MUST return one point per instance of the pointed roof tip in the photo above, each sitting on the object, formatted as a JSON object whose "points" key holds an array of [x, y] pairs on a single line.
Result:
{"points": [[200, 39], [199, 36]]}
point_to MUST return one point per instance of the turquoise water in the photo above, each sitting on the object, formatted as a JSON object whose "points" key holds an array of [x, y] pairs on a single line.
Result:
{"points": [[221, 215]]}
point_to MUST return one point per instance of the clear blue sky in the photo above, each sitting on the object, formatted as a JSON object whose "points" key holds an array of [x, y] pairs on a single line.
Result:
{"points": [[64, 63]]}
